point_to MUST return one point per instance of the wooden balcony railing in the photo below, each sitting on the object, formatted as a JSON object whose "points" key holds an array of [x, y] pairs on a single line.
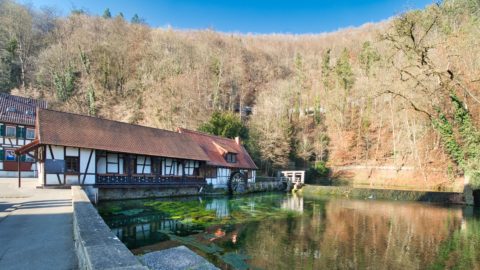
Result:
{"points": [[111, 179]]}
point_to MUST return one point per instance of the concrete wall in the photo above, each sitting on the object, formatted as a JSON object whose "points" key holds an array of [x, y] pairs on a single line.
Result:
{"points": [[96, 246]]}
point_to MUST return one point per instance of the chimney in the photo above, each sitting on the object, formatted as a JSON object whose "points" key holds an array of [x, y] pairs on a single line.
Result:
{"points": [[237, 140]]}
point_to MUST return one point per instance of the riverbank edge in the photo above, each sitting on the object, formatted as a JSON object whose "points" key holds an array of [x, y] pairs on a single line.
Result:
{"points": [[95, 245], [384, 194]]}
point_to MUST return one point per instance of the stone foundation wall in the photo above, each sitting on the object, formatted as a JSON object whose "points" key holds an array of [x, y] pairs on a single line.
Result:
{"points": [[144, 192], [266, 186], [385, 194]]}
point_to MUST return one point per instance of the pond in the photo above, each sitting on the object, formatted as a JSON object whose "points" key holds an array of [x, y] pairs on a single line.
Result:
{"points": [[279, 231]]}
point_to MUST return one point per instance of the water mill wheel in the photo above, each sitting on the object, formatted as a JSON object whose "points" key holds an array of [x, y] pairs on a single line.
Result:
{"points": [[237, 183]]}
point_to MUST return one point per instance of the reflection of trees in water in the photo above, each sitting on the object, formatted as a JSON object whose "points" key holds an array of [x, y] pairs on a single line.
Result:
{"points": [[294, 203], [354, 234], [329, 234]]}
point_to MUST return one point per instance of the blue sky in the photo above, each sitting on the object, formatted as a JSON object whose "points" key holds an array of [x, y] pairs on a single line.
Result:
{"points": [[246, 16]]}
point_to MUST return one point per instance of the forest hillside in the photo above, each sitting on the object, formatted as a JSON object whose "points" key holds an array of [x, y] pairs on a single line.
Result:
{"points": [[402, 94]]}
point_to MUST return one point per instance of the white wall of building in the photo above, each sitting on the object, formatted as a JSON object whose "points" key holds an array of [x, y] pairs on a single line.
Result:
{"points": [[59, 153]]}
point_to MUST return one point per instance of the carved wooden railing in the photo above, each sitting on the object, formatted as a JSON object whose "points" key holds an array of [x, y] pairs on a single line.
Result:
{"points": [[111, 179]]}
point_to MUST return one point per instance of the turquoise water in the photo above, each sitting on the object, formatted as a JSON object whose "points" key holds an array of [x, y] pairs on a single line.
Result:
{"points": [[279, 231]]}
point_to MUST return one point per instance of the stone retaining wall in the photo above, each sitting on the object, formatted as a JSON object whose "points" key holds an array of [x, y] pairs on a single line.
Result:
{"points": [[96, 246], [385, 194], [144, 192], [266, 186]]}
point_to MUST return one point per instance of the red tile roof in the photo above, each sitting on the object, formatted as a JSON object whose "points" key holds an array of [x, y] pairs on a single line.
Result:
{"points": [[68, 129], [211, 144], [19, 110]]}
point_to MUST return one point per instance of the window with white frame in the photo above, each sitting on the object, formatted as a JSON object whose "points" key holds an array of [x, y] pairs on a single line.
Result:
{"points": [[11, 131], [30, 133]]}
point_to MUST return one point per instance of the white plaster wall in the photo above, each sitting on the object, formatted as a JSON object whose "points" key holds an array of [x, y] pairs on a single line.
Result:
{"points": [[84, 155], [51, 179], [89, 179], [71, 151], [148, 163], [40, 173], [57, 152], [71, 179]]}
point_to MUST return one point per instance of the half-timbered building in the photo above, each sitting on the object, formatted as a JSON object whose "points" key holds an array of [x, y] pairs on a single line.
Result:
{"points": [[17, 128], [74, 149]]}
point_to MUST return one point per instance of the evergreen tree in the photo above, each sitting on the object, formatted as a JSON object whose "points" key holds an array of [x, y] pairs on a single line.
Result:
{"points": [[92, 110], [368, 56], [64, 84], [225, 124], [326, 70], [344, 71], [137, 20], [107, 14]]}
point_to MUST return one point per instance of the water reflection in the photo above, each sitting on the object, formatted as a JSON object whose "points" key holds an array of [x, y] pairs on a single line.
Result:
{"points": [[276, 231]]}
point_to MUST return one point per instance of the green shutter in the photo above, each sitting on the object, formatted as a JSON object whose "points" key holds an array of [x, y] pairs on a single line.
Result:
{"points": [[23, 158], [24, 135], [19, 132], [2, 154], [2, 130]]}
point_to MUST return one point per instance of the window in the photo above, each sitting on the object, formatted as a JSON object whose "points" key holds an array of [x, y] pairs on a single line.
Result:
{"points": [[112, 163], [30, 133], [191, 168], [156, 166], [231, 158], [10, 155], [170, 166], [11, 131], [72, 165], [130, 164], [21, 132]]}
